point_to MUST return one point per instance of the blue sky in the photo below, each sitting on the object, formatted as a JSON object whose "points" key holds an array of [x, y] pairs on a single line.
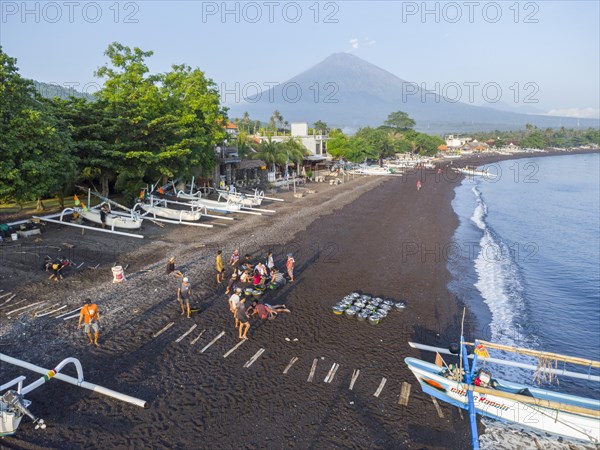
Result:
{"points": [[548, 50]]}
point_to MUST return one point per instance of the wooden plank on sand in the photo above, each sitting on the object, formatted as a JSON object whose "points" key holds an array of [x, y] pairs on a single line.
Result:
{"points": [[197, 337], [234, 348], [380, 388], [26, 307], [355, 374], [437, 407], [254, 358], [180, 338], [219, 336], [311, 376], [165, 328], [331, 374], [404, 393], [289, 366]]}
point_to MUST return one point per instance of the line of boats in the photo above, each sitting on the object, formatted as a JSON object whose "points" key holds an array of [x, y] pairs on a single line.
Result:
{"points": [[158, 206]]}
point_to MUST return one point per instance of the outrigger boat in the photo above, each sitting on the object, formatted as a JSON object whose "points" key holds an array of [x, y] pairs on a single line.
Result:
{"points": [[540, 409], [250, 200], [472, 172]]}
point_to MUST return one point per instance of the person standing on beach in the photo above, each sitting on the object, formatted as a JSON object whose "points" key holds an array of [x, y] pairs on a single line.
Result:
{"points": [[184, 294], [290, 266], [235, 258], [234, 301], [219, 266], [91, 317], [418, 185], [270, 262], [241, 316], [104, 210]]}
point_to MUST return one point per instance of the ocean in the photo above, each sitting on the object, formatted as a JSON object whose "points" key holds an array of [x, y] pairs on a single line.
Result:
{"points": [[526, 262]]}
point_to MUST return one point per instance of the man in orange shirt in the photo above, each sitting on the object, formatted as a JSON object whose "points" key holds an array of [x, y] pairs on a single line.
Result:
{"points": [[90, 316]]}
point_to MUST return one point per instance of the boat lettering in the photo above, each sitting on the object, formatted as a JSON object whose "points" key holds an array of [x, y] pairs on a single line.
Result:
{"points": [[480, 399]]}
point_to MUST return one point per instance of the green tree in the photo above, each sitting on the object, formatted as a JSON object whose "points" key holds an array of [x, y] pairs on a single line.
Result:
{"points": [[338, 144], [321, 127], [379, 142], [399, 120], [270, 152], [162, 125], [35, 145]]}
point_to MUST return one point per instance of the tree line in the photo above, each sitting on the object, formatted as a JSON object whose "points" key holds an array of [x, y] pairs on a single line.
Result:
{"points": [[140, 127], [534, 137]]}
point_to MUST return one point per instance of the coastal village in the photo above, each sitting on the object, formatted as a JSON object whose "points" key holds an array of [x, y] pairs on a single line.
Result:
{"points": [[281, 277]]}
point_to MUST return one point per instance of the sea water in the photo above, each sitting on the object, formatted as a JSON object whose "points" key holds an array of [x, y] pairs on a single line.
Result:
{"points": [[526, 262]]}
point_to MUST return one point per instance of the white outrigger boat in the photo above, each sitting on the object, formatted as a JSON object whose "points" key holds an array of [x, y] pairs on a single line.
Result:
{"points": [[132, 222], [540, 409], [472, 172], [375, 170], [154, 210]]}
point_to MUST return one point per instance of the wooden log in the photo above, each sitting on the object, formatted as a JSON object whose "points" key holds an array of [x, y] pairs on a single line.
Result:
{"points": [[9, 299]]}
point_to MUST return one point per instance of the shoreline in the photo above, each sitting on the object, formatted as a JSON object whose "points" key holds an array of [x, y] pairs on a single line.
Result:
{"points": [[335, 256]]}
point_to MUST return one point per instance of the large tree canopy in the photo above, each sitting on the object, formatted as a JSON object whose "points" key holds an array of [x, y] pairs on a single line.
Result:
{"points": [[35, 145]]}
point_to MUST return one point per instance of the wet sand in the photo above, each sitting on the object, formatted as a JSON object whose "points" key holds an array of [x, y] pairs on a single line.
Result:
{"points": [[374, 235]]}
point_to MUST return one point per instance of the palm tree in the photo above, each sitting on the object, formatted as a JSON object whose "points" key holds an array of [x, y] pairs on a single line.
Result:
{"points": [[271, 153], [276, 120]]}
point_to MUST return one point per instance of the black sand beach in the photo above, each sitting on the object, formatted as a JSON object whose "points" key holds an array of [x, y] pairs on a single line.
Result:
{"points": [[374, 235]]}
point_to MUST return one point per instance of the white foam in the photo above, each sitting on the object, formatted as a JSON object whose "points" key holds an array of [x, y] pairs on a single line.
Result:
{"points": [[478, 217]]}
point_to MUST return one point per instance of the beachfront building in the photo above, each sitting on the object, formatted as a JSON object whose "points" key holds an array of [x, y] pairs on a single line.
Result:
{"points": [[316, 144]]}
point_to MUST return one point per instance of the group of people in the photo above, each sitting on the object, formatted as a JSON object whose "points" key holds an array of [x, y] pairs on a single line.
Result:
{"points": [[242, 314], [258, 275]]}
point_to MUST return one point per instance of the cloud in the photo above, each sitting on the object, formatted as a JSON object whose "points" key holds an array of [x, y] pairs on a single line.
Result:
{"points": [[581, 113], [355, 43]]}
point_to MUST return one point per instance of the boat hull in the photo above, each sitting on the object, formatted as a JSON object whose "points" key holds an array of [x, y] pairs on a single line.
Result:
{"points": [[572, 425], [173, 214], [126, 223]]}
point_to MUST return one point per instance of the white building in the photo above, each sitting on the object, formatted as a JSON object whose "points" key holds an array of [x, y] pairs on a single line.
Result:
{"points": [[316, 144]]}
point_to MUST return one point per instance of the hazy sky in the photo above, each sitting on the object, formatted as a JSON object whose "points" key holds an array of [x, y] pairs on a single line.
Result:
{"points": [[544, 50]]}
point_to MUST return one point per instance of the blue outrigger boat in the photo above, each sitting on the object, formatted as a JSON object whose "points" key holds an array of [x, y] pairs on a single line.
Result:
{"points": [[477, 392]]}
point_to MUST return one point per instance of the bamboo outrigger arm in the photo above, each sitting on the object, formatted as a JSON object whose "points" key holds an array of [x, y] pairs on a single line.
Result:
{"points": [[540, 354], [75, 381]]}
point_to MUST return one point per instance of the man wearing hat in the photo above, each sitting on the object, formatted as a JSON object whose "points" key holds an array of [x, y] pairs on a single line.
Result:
{"points": [[90, 316], [184, 294], [232, 284]]}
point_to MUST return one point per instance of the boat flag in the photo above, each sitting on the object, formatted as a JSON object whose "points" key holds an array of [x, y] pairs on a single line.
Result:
{"points": [[438, 360], [481, 351]]}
